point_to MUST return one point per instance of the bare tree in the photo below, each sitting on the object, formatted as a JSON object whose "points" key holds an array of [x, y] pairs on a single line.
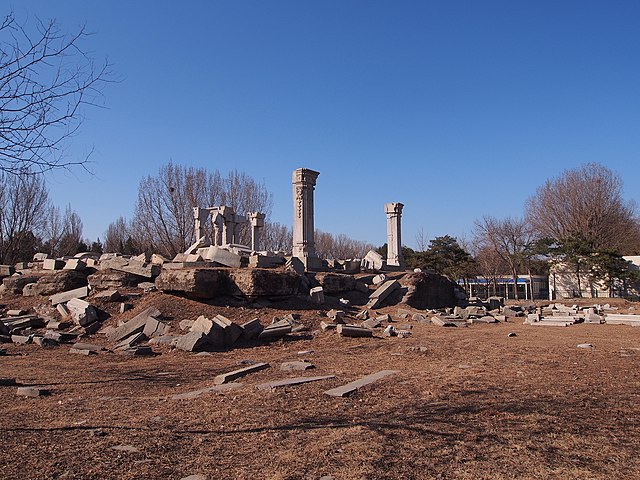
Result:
{"points": [[277, 237], [71, 241], [164, 222], [53, 231], [340, 246], [490, 266], [46, 79], [117, 235], [23, 206], [585, 204], [422, 240], [510, 239]]}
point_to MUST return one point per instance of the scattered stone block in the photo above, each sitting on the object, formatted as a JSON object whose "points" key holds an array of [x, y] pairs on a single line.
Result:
{"points": [[251, 329], [111, 295], [275, 331], [372, 261], [52, 264], [231, 330], [75, 264], [83, 313], [327, 326], [16, 313], [512, 334], [88, 346], [153, 328], [44, 341], [81, 352], [223, 257], [377, 297], [135, 325], [379, 279], [40, 257], [167, 340], [125, 307], [384, 318], [287, 382], [131, 340], [63, 297], [21, 339], [193, 342], [371, 323], [63, 310], [418, 317], [239, 373], [296, 366], [336, 315], [402, 313], [317, 295], [351, 387], [587, 346], [137, 351], [353, 331], [33, 392], [363, 315], [135, 267]]}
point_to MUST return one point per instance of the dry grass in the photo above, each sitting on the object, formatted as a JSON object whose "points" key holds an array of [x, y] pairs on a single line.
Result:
{"points": [[477, 404]]}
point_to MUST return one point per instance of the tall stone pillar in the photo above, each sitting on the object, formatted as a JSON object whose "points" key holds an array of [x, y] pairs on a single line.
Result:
{"points": [[200, 216], [394, 229], [304, 247], [257, 223]]}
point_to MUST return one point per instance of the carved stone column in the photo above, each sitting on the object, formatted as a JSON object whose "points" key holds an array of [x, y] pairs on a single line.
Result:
{"points": [[257, 223], [394, 238], [304, 248]]}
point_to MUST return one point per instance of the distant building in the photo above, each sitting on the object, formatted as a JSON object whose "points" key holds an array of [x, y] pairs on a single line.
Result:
{"points": [[563, 283], [530, 287]]}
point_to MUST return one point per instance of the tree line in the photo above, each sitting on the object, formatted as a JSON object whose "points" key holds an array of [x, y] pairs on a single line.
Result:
{"points": [[577, 222]]}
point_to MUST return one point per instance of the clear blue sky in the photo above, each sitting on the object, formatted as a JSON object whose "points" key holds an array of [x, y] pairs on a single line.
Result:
{"points": [[458, 109]]}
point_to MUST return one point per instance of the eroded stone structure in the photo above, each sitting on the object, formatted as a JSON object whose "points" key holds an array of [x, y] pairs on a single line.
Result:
{"points": [[304, 248], [394, 229]]}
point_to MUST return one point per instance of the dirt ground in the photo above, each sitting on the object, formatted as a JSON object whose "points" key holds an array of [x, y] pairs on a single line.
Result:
{"points": [[474, 404]]}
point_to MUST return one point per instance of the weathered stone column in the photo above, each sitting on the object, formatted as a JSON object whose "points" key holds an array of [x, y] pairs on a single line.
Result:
{"points": [[257, 223], [304, 247], [394, 240], [200, 216]]}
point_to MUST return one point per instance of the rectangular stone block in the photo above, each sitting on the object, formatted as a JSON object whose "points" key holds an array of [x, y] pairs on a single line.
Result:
{"points": [[382, 292], [52, 264], [63, 297], [239, 373], [135, 325], [351, 387], [353, 331]]}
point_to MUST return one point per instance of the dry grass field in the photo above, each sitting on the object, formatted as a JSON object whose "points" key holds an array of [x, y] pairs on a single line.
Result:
{"points": [[472, 403]]}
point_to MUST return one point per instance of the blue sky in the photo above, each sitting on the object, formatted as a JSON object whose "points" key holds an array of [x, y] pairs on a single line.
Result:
{"points": [[456, 109]]}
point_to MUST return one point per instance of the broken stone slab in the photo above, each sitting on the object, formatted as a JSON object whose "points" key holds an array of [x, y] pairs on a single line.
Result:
{"points": [[251, 329], [81, 352], [52, 264], [16, 313], [33, 392], [384, 318], [418, 317], [446, 322], [402, 313], [111, 295], [353, 331], [167, 340], [193, 342], [137, 351], [135, 325], [75, 264], [287, 382], [110, 279], [227, 387], [372, 261], [622, 319], [16, 283], [21, 339], [317, 295], [231, 330], [336, 315], [351, 387], [379, 279], [239, 373], [83, 313], [88, 346], [371, 323], [328, 326], [135, 267], [63, 310], [275, 331], [130, 341], [22, 322], [153, 328], [64, 297], [213, 331], [40, 257], [44, 341], [223, 257], [296, 366], [377, 297], [6, 270], [363, 315]]}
